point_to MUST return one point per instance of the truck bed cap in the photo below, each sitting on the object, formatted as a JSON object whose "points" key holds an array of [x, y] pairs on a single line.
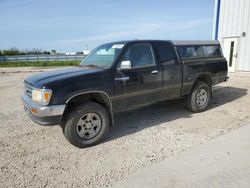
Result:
{"points": [[195, 42]]}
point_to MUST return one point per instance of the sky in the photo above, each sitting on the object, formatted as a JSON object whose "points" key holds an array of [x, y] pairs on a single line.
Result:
{"points": [[76, 25]]}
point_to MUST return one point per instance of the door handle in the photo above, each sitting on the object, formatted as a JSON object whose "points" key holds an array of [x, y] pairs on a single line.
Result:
{"points": [[154, 72]]}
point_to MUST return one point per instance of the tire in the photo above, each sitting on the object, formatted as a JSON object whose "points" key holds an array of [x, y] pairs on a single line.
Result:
{"points": [[86, 125], [200, 97]]}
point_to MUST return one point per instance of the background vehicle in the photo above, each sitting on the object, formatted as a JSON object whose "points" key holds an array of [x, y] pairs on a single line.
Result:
{"points": [[121, 76]]}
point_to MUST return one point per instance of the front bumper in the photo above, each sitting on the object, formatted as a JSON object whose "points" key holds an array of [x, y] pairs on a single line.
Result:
{"points": [[43, 115]]}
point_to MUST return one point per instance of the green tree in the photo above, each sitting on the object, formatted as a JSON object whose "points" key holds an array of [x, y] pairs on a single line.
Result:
{"points": [[11, 51], [46, 52], [53, 51]]}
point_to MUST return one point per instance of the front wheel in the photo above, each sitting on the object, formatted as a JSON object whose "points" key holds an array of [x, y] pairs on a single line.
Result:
{"points": [[86, 125], [200, 97]]}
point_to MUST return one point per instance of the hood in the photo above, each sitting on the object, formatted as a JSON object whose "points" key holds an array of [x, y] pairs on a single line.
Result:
{"points": [[41, 79]]}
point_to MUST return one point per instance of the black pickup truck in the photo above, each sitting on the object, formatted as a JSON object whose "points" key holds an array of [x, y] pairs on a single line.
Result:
{"points": [[121, 76]]}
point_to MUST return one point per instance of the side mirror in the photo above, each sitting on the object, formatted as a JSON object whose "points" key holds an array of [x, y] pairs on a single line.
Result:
{"points": [[125, 65]]}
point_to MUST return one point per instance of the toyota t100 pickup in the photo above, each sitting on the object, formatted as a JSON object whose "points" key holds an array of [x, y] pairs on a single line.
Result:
{"points": [[121, 76]]}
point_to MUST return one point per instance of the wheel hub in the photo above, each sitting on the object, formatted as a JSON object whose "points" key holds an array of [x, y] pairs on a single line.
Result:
{"points": [[201, 97], [89, 125]]}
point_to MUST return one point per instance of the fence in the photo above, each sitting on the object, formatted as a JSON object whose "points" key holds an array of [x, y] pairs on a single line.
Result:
{"points": [[30, 58]]}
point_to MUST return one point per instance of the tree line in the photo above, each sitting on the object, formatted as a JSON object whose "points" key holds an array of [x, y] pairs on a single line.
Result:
{"points": [[15, 51]]}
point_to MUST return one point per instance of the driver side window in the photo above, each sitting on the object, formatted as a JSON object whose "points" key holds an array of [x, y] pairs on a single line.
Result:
{"points": [[140, 55]]}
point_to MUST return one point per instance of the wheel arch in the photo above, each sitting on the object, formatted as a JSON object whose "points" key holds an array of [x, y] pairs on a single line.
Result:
{"points": [[190, 103], [205, 78], [99, 97]]}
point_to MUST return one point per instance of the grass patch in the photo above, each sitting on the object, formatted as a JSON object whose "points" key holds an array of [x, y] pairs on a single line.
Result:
{"points": [[39, 64]]}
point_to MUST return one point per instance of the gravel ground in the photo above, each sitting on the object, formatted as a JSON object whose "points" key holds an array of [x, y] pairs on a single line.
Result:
{"points": [[35, 156]]}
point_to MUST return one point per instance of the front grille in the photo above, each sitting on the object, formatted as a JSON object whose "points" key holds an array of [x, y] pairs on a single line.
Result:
{"points": [[28, 90]]}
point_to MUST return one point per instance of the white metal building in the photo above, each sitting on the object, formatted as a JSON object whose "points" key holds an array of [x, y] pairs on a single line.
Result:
{"points": [[232, 29]]}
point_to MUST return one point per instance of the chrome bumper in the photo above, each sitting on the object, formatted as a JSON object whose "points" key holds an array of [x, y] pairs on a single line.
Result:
{"points": [[44, 115]]}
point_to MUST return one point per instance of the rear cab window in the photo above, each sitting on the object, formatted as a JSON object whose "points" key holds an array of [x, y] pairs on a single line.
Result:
{"points": [[166, 53]]}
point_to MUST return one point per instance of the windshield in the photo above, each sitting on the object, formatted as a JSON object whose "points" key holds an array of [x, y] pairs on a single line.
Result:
{"points": [[103, 56]]}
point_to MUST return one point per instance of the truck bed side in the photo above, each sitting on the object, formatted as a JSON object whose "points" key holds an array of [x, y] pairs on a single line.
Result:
{"points": [[211, 70]]}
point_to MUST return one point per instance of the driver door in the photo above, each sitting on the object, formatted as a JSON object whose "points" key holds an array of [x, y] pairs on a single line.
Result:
{"points": [[142, 84]]}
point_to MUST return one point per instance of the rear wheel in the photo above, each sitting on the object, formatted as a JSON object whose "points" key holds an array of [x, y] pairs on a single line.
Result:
{"points": [[200, 97], [86, 125]]}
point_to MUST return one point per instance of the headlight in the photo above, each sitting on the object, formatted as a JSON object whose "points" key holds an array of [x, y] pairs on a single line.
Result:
{"points": [[41, 95]]}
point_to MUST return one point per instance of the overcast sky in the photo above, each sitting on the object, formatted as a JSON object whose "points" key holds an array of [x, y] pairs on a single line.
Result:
{"points": [[75, 25]]}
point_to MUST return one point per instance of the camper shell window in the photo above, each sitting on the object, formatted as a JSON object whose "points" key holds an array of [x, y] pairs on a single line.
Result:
{"points": [[198, 51]]}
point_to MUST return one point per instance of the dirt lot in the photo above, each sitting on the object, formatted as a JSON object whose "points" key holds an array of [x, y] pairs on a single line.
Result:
{"points": [[37, 156]]}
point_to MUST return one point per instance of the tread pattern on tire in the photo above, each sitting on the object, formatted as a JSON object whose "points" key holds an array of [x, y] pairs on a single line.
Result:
{"points": [[191, 99], [70, 123]]}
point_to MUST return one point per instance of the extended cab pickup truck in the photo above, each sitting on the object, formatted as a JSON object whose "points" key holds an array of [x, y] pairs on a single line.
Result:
{"points": [[121, 76]]}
